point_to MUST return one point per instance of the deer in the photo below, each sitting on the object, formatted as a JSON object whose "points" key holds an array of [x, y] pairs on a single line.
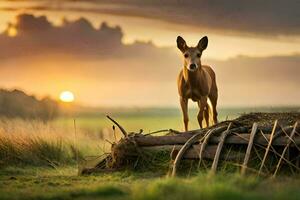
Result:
{"points": [[197, 82]]}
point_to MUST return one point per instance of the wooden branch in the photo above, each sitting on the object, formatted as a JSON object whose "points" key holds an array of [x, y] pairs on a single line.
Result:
{"points": [[186, 146], [260, 158], [220, 146], [273, 150], [287, 135], [118, 125], [248, 151], [268, 147], [193, 152], [286, 147], [205, 141], [282, 130]]}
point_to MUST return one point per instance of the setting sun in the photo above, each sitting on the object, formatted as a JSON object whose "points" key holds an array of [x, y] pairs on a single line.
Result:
{"points": [[66, 96]]}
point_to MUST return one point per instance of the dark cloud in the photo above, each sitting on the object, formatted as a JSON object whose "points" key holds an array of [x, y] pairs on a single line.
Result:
{"points": [[271, 17], [36, 35], [268, 17]]}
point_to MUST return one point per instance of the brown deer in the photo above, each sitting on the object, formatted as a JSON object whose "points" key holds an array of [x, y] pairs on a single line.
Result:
{"points": [[197, 82]]}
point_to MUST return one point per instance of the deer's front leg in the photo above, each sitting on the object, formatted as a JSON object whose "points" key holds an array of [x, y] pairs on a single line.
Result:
{"points": [[202, 103], [184, 108]]}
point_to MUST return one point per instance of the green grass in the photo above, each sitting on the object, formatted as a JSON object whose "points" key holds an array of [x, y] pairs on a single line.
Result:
{"points": [[63, 183], [37, 161]]}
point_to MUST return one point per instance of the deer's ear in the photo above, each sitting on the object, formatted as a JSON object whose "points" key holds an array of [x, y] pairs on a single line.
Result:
{"points": [[181, 44], [202, 44]]}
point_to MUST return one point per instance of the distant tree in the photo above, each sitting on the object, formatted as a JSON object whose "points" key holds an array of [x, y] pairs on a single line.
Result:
{"points": [[16, 103]]}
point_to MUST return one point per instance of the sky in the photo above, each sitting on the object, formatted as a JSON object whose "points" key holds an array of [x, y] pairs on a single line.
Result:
{"points": [[123, 52]]}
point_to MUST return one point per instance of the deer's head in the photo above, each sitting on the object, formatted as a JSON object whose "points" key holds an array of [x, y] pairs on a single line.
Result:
{"points": [[192, 55]]}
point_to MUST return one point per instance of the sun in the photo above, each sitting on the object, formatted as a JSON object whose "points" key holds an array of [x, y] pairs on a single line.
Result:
{"points": [[66, 96]]}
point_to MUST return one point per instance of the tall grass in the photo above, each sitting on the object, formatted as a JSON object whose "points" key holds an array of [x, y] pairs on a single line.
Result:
{"points": [[32, 142]]}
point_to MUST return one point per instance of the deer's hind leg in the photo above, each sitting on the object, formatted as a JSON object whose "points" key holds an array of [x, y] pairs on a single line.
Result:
{"points": [[213, 99], [206, 115]]}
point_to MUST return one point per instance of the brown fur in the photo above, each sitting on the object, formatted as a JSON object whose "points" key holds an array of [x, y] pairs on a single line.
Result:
{"points": [[198, 84]]}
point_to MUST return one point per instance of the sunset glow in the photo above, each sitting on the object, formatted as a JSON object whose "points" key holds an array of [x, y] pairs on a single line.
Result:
{"points": [[66, 96]]}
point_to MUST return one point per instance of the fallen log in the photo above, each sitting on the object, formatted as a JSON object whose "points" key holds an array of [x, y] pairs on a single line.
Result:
{"points": [[241, 138], [161, 140], [193, 152]]}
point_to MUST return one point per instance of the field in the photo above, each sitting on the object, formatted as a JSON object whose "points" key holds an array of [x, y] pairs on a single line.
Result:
{"points": [[39, 161]]}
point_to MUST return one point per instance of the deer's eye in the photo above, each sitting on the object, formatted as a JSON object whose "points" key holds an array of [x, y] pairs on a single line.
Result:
{"points": [[198, 55], [186, 55]]}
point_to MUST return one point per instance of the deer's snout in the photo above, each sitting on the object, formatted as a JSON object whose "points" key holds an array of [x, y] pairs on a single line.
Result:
{"points": [[192, 67]]}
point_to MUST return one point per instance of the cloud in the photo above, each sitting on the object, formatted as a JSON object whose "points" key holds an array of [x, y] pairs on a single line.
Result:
{"points": [[269, 17], [36, 35], [264, 18], [276, 69], [95, 64]]}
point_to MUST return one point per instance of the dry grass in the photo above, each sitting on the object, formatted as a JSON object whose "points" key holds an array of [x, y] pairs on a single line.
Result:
{"points": [[24, 142]]}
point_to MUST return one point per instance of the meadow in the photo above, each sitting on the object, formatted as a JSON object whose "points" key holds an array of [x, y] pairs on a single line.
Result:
{"points": [[40, 160]]}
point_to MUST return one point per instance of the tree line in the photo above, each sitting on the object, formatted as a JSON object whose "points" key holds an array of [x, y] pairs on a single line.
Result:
{"points": [[17, 104]]}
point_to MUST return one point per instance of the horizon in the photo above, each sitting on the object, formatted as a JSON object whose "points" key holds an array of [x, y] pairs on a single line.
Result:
{"points": [[78, 105]]}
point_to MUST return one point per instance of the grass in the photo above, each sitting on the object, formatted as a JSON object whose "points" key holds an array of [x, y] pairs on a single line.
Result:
{"points": [[35, 143], [63, 183], [56, 143], [37, 161]]}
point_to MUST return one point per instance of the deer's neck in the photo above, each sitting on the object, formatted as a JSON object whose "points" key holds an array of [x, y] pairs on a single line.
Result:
{"points": [[192, 78]]}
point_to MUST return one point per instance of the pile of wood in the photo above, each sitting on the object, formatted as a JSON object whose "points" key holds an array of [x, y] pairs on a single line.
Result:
{"points": [[272, 140]]}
